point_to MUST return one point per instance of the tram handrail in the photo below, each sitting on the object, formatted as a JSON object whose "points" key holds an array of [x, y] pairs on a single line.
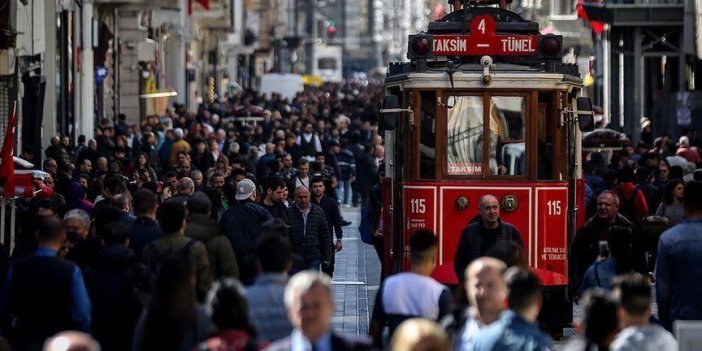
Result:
{"points": [[394, 110]]}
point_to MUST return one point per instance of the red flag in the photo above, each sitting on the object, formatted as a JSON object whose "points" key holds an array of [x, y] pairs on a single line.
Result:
{"points": [[204, 3], [7, 168]]}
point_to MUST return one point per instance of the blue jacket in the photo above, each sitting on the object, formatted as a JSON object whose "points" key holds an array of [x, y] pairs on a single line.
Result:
{"points": [[679, 273], [512, 333]]}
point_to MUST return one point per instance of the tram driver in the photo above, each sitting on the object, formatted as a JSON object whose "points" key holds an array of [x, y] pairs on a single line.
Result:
{"points": [[482, 234]]}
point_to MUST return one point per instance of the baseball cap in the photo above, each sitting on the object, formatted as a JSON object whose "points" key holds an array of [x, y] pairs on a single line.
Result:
{"points": [[244, 189]]}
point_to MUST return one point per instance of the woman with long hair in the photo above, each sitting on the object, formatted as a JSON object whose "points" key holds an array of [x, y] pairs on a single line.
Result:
{"points": [[143, 162], [598, 325], [173, 320], [672, 205], [221, 166], [230, 313]]}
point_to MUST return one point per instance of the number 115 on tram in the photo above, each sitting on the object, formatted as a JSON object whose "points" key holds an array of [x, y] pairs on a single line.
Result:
{"points": [[485, 106]]}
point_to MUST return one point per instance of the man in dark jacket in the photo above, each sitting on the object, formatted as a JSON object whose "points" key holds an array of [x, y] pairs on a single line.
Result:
{"points": [[586, 244], [331, 211], [482, 235], [43, 294], [211, 233], [145, 229], [309, 231], [112, 284], [242, 225]]}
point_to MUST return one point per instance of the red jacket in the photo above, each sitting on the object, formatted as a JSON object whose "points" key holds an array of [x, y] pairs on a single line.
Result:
{"points": [[625, 192]]}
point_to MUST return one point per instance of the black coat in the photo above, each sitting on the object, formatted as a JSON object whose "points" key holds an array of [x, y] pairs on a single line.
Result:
{"points": [[313, 241], [242, 225], [585, 248], [475, 241], [112, 286]]}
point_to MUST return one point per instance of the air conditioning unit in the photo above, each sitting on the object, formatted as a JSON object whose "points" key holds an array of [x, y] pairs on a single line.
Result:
{"points": [[146, 50]]}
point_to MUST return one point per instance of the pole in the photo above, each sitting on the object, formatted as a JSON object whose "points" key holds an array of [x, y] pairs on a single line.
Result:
{"points": [[75, 119], [621, 84], [87, 72], [2, 221], [311, 36], [606, 75], [13, 215]]}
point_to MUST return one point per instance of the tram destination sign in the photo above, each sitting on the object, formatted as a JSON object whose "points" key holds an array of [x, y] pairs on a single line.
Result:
{"points": [[483, 40]]}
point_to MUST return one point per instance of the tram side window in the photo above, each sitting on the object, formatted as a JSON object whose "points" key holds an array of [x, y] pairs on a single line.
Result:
{"points": [[547, 124], [427, 136], [464, 145], [507, 128]]}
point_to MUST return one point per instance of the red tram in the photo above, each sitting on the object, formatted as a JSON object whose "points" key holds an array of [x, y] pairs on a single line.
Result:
{"points": [[485, 106]]}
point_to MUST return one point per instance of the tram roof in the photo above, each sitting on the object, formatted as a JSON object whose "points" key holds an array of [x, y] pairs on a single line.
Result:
{"points": [[473, 80]]}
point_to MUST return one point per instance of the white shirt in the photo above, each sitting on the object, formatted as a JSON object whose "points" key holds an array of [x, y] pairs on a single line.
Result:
{"points": [[469, 333], [648, 337]]}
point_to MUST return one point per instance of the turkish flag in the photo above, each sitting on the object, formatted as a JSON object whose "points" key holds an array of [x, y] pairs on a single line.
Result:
{"points": [[597, 27], [204, 3], [7, 168]]}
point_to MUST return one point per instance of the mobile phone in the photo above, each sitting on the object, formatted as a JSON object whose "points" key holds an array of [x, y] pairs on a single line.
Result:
{"points": [[604, 249]]}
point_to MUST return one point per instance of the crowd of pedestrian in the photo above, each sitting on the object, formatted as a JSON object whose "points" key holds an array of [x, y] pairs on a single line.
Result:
{"points": [[180, 232], [203, 230]]}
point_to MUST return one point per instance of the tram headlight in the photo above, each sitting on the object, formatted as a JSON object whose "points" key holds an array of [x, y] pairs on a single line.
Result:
{"points": [[551, 46], [419, 46]]}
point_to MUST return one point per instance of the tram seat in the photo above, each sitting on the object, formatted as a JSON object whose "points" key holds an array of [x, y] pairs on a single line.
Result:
{"points": [[513, 158]]}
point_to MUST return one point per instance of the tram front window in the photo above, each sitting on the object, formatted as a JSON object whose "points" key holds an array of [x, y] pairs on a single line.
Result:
{"points": [[465, 134], [464, 146], [507, 122]]}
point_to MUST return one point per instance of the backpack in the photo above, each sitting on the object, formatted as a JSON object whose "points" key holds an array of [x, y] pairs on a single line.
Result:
{"points": [[626, 206], [148, 279]]}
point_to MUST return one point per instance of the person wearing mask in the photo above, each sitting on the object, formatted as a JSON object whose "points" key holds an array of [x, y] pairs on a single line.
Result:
{"points": [[482, 234], [516, 329], [43, 294], [173, 319], [407, 295], [334, 220]]}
